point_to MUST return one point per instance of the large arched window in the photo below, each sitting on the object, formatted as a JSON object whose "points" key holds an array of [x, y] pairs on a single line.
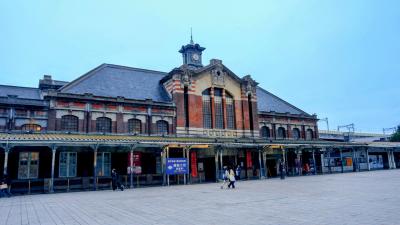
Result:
{"points": [[69, 123], [207, 116], [134, 126], [31, 127], [296, 133], [265, 133], [309, 134], [162, 127], [103, 125], [281, 133], [230, 112]]}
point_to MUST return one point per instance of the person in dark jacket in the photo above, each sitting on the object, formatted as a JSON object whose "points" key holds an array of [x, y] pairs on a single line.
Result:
{"points": [[115, 180]]}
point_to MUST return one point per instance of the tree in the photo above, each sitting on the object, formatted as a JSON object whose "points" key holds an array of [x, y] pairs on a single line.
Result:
{"points": [[396, 136]]}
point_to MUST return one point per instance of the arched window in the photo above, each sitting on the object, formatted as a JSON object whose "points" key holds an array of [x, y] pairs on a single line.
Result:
{"points": [[134, 126], [230, 112], [103, 125], [69, 123], [281, 133], [265, 132], [207, 117], [309, 134], [31, 127], [162, 127], [296, 133], [219, 109]]}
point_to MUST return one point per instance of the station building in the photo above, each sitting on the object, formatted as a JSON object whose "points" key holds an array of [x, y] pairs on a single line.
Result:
{"points": [[64, 136]]}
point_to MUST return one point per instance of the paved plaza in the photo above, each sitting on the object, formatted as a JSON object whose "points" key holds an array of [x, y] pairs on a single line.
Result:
{"points": [[351, 198]]}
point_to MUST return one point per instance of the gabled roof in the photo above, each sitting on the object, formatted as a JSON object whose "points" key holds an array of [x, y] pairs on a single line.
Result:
{"points": [[20, 92], [113, 81], [268, 102]]}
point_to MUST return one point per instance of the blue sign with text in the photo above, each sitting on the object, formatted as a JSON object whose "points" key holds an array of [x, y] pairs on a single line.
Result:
{"points": [[177, 166]]}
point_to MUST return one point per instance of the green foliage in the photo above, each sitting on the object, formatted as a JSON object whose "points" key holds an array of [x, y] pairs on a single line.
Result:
{"points": [[396, 136]]}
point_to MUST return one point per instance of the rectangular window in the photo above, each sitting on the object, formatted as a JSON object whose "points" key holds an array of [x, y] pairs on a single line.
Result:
{"points": [[67, 166], [219, 113], [103, 165], [207, 121], [230, 114], [28, 165]]}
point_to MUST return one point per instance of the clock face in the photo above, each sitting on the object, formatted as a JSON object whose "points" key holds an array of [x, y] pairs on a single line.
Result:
{"points": [[195, 57]]}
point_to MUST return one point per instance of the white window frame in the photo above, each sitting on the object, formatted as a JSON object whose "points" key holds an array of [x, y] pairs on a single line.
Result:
{"points": [[101, 165], [28, 165], [68, 164]]}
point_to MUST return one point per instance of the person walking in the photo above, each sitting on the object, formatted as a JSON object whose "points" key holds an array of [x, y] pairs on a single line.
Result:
{"points": [[115, 180], [231, 179], [237, 172], [225, 177]]}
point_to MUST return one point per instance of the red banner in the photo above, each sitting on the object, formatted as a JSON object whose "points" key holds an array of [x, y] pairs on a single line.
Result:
{"points": [[249, 160], [193, 160]]}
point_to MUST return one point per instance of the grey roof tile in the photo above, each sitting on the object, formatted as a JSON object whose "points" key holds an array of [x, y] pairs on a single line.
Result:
{"points": [[268, 102], [112, 81], [20, 92]]}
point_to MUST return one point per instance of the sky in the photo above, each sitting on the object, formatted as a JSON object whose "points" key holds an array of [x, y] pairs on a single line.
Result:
{"points": [[339, 59]]}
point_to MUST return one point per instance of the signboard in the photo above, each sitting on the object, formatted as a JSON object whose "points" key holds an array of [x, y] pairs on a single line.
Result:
{"points": [[135, 159], [249, 159], [193, 164], [177, 166]]}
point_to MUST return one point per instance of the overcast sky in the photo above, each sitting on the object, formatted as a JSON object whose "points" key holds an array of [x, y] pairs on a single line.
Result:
{"points": [[339, 59]]}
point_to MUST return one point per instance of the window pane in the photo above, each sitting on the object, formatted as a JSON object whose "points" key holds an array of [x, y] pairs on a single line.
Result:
{"points": [[162, 127], [207, 122], [72, 164], [134, 126], [219, 113], [99, 164], [230, 113], [69, 123], [103, 125]]}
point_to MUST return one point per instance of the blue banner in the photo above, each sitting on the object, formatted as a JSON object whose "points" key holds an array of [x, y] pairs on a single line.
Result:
{"points": [[177, 166]]}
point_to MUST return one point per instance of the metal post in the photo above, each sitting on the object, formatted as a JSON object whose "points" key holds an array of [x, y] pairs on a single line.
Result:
{"points": [[369, 167], [53, 159], [313, 158], [5, 165], [389, 159], [131, 169], [341, 159], [216, 165], [354, 160], [259, 161], [265, 164], [322, 161], [167, 149], [189, 168], [163, 165], [184, 156], [95, 168]]}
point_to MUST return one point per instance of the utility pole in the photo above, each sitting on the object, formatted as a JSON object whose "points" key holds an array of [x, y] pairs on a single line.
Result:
{"points": [[327, 122]]}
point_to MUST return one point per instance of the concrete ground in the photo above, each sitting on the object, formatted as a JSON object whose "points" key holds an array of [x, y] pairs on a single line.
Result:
{"points": [[351, 198]]}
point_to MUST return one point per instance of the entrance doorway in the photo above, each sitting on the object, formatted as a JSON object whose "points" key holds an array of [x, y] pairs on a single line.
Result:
{"points": [[272, 169]]}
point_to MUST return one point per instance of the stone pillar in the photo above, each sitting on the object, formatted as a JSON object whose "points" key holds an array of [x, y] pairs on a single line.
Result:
{"points": [[184, 156], [341, 159], [95, 168], [53, 159], [5, 165], [315, 164], [131, 172], [216, 165], [265, 164], [164, 165], [300, 163], [259, 161], [322, 160], [369, 167]]}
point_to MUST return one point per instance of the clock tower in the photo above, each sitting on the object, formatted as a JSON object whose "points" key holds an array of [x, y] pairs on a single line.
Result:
{"points": [[191, 54]]}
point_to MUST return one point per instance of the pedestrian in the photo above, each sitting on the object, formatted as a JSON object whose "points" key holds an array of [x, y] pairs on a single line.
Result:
{"points": [[115, 180], [4, 187], [231, 179], [306, 168], [237, 171], [225, 177], [282, 169]]}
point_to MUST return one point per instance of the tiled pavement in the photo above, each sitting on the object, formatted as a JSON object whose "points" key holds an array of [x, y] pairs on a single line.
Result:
{"points": [[351, 198]]}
